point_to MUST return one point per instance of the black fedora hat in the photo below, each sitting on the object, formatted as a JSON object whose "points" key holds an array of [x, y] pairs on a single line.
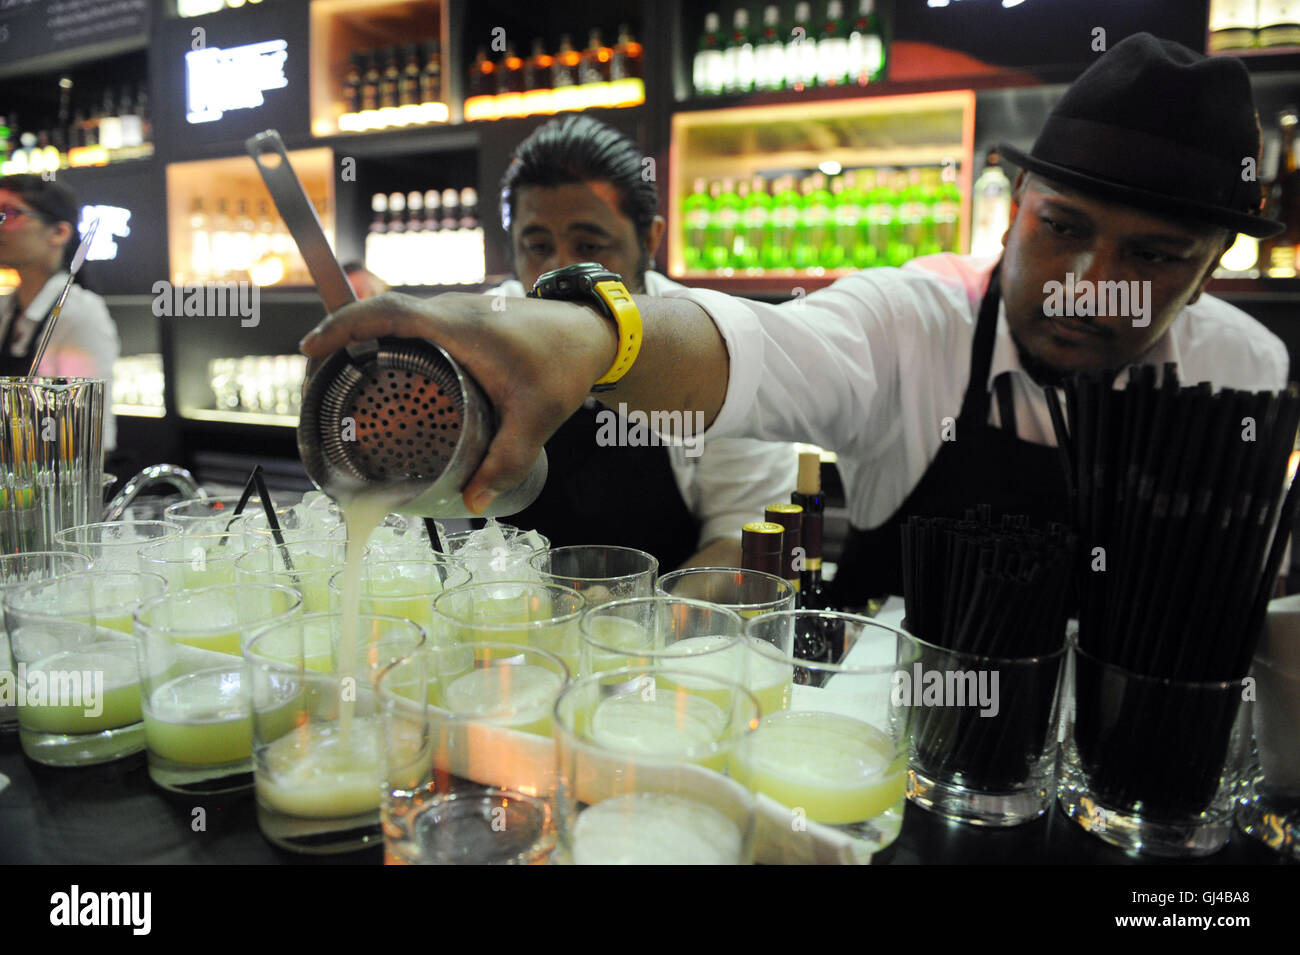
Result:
{"points": [[1160, 127]]}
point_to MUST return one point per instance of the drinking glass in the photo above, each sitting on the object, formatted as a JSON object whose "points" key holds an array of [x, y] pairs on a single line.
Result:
{"points": [[403, 588], [304, 564], [495, 552], [76, 662], [831, 767], [747, 592], [318, 760], [598, 572], [17, 569], [194, 560], [689, 635], [471, 764], [643, 769], [538, 615], [1149, 764], [210, 515], [194, 695], [114, 545]]}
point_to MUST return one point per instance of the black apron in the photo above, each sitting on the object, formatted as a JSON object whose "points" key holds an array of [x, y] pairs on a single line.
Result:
{"points": [[611, 495], [17, 366], [984, 465]]}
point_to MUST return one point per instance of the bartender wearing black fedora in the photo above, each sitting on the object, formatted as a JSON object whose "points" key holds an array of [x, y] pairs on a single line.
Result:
{"points": [[926, 380]]}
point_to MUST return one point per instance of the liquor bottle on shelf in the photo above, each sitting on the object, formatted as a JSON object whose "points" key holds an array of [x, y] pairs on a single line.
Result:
{"points": [[697, 210], [738, 56], [990, 207], [432, 257], [880, 216], [389, 80], [567, 62], [1232, 25], [1278, 24], [469, 237], [905, 224], [1278, 253], [537, 68], [376, 237], [593, 67], [482, 75], [769, 52], [431, 73], [947, 215], [861, 182], [833, 48], [241, 239], [845, 212], [787, 210], [408, 84], [801, 50], [755, 225], [707, 68], [263, 234], [200, 243], [726, 218], [142, 110], [414, 239], [130, 120], [927, 193], [222, 251], [395, 245], [866, 47], [627, 63], [370, 80], [512, 72], [818, 219]]}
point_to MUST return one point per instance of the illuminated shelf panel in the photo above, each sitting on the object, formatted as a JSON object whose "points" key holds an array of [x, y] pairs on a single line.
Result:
{"points": [[617, 94], [139, 411], [241, 417], [920, 130], [340, 28]]}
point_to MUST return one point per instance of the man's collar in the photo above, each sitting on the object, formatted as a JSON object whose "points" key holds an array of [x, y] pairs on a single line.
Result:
{"points": [[1007, 358], [46, 297]]}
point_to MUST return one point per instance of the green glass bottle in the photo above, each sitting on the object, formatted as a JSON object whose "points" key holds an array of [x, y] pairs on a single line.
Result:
{"points": [[905, 226], [697, 210], [880, 216], [787, 209], [863, 250], [947, 215], [846, 212], [928, 197], [756, 226], [725, 221], [819, 214]]}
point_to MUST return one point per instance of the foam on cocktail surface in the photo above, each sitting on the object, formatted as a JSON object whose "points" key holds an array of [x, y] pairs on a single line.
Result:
{"points": [[519, 696], [661, 723], [838, 769], [120, 690], [319, 771], [200, 718], [651, 828]]}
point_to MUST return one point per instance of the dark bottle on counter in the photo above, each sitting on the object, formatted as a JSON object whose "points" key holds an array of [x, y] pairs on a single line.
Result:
{"points": [[762, 546], [352, 84], [431, 74], [813, 594]]}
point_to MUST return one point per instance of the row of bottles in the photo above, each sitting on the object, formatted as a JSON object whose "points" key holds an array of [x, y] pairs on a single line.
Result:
{"points": [[426, 238], [544, 82], [243, 239], [1279, 255], [861, 219], [108, 125], [1252, 24], [787, 543], [793, 51], [396, 81]]}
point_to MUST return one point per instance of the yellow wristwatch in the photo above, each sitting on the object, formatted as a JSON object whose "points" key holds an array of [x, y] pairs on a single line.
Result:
{"points": [[592, 282]]}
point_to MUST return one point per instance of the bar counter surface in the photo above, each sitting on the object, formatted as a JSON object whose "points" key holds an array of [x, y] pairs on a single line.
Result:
{"points": [[112, 814]]}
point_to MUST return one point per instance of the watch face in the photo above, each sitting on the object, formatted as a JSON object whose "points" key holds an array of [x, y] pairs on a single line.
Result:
{"points": [[572, 280]]}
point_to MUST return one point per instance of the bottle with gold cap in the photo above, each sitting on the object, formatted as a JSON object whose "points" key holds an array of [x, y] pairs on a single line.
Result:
{"points": [[790, 517], [761, 547]]}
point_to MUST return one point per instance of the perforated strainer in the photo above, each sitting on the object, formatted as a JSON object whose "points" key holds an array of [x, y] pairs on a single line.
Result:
{"points": [[391, 415], [398, 413]]}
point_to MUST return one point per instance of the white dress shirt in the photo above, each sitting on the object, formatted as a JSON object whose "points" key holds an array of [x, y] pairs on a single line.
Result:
{"points": [[84, 343], [732, 479], [871, 366]]}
